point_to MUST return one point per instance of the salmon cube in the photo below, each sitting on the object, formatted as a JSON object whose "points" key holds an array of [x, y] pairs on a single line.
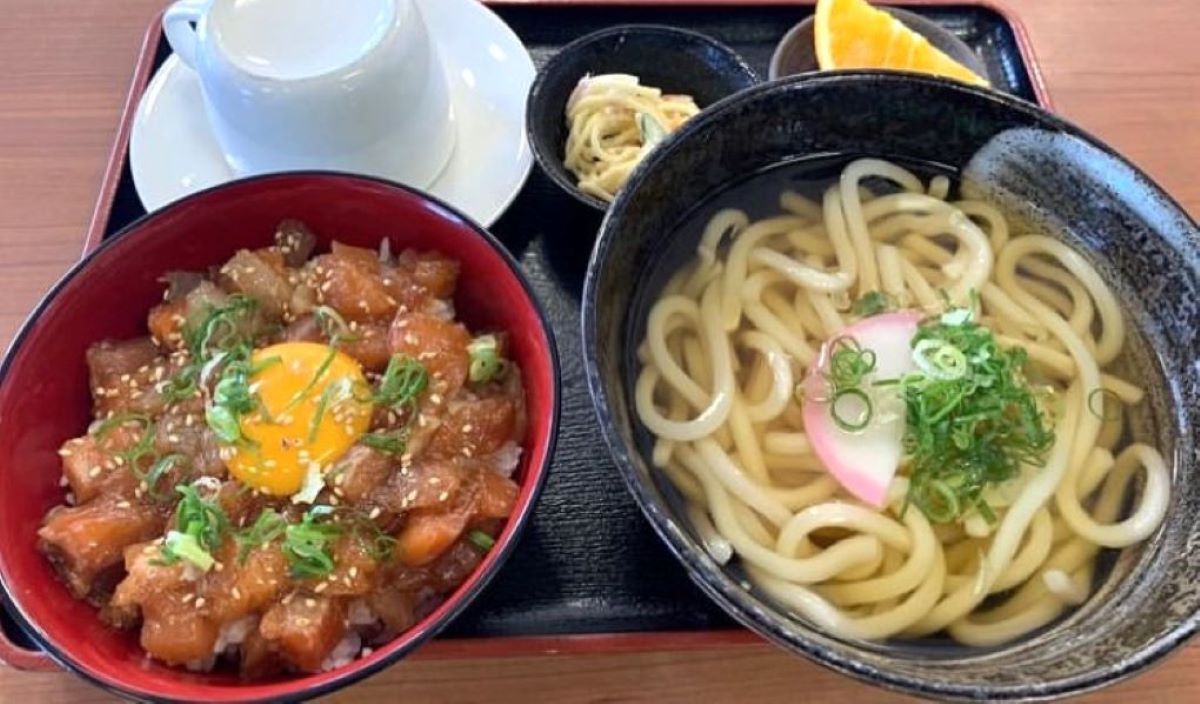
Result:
{"points": [[439, 345], [177, 633], [427, 483], [123, 377], [166, 321], [84, 541], [497, 496], [261, 276], [351, 284], [474, 428], [93, 465], [305, 629], [426, 535], [395, 607], [247, 586], [355, 565], [359, 472], [147, 578]]}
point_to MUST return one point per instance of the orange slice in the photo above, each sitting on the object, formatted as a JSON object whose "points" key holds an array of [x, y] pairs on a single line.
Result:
{"points": [[852, 34]]}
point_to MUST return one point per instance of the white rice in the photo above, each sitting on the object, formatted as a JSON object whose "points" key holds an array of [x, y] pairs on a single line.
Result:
{"points": [[440, 308], [232, 634], [360, 614], [344, 652], [507, 459]]}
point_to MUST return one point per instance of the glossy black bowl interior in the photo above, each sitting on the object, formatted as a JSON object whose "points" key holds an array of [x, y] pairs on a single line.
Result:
{"points": [[1042, 169], [676, 60]]}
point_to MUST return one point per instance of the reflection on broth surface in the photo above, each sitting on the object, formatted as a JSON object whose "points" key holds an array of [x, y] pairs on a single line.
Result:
{"points": [[904, 415]]}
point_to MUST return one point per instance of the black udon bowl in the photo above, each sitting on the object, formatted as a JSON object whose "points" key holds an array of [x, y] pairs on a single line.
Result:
{"points": [[1148, 249], [676, 60]]}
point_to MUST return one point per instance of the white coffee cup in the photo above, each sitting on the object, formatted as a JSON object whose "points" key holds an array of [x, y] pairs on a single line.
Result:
{"points": [[344, 85]]}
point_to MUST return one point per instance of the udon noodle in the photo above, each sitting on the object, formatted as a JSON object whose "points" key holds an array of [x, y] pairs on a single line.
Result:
{"points": [[613, 121], [738, 328]]}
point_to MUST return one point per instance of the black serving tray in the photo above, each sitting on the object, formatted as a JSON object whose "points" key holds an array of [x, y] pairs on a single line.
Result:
{"points": [[589, 564]]}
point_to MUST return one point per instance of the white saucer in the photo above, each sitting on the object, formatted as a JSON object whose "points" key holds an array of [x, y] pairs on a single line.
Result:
{"points": [[173, 153]]}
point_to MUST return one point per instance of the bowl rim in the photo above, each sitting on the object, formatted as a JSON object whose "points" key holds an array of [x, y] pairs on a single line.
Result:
{"points": [[549, 162], [358, 669], [718, 586]]}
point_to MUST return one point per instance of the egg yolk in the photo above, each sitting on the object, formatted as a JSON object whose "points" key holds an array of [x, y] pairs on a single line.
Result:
{"points": [[315, 410]]}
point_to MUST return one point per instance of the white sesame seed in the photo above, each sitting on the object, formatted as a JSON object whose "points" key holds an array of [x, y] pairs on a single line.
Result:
{"points": [[374, 513], [468, 428], [310, 603], [200, 602], [320, 587]]}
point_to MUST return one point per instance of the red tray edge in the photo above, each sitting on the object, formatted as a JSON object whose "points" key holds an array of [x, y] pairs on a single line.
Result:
{"points": [[506, 646]]}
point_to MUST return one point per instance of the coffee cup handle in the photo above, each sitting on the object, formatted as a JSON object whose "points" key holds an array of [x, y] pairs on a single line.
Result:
{"points": [[177, 24]]}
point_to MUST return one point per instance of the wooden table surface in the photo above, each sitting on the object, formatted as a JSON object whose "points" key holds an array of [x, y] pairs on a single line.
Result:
{"points": [[1127, 71]]}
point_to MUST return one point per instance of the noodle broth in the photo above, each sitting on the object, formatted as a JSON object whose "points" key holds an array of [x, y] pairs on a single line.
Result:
{"points": [[759, 198]]}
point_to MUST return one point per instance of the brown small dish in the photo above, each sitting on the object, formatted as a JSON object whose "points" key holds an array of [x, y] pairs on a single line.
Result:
{"points": [[796, 52]]}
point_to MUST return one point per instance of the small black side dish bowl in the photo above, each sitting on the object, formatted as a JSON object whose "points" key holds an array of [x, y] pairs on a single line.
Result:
{"points": [[1041, 169], [797, 53], [675, 60]]}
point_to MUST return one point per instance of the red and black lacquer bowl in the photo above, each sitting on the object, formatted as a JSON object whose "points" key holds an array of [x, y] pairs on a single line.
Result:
{"points": [[44, 397]]}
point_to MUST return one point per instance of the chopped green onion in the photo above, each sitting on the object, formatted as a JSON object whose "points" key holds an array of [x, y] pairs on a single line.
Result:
{"points": [[849, 363], [481, 540], [379, 544], [223, 423], [402, 383], [333, 324], [160, 467], [972, 419], [321, 369], [957, 316], [308, 544], [183, 546], [939, 359], [937, 501], [389, 443], [486, 363], [119, 419], [201, 524], [1106, 400], [267, 527], [872, 303], [841, 414]]}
